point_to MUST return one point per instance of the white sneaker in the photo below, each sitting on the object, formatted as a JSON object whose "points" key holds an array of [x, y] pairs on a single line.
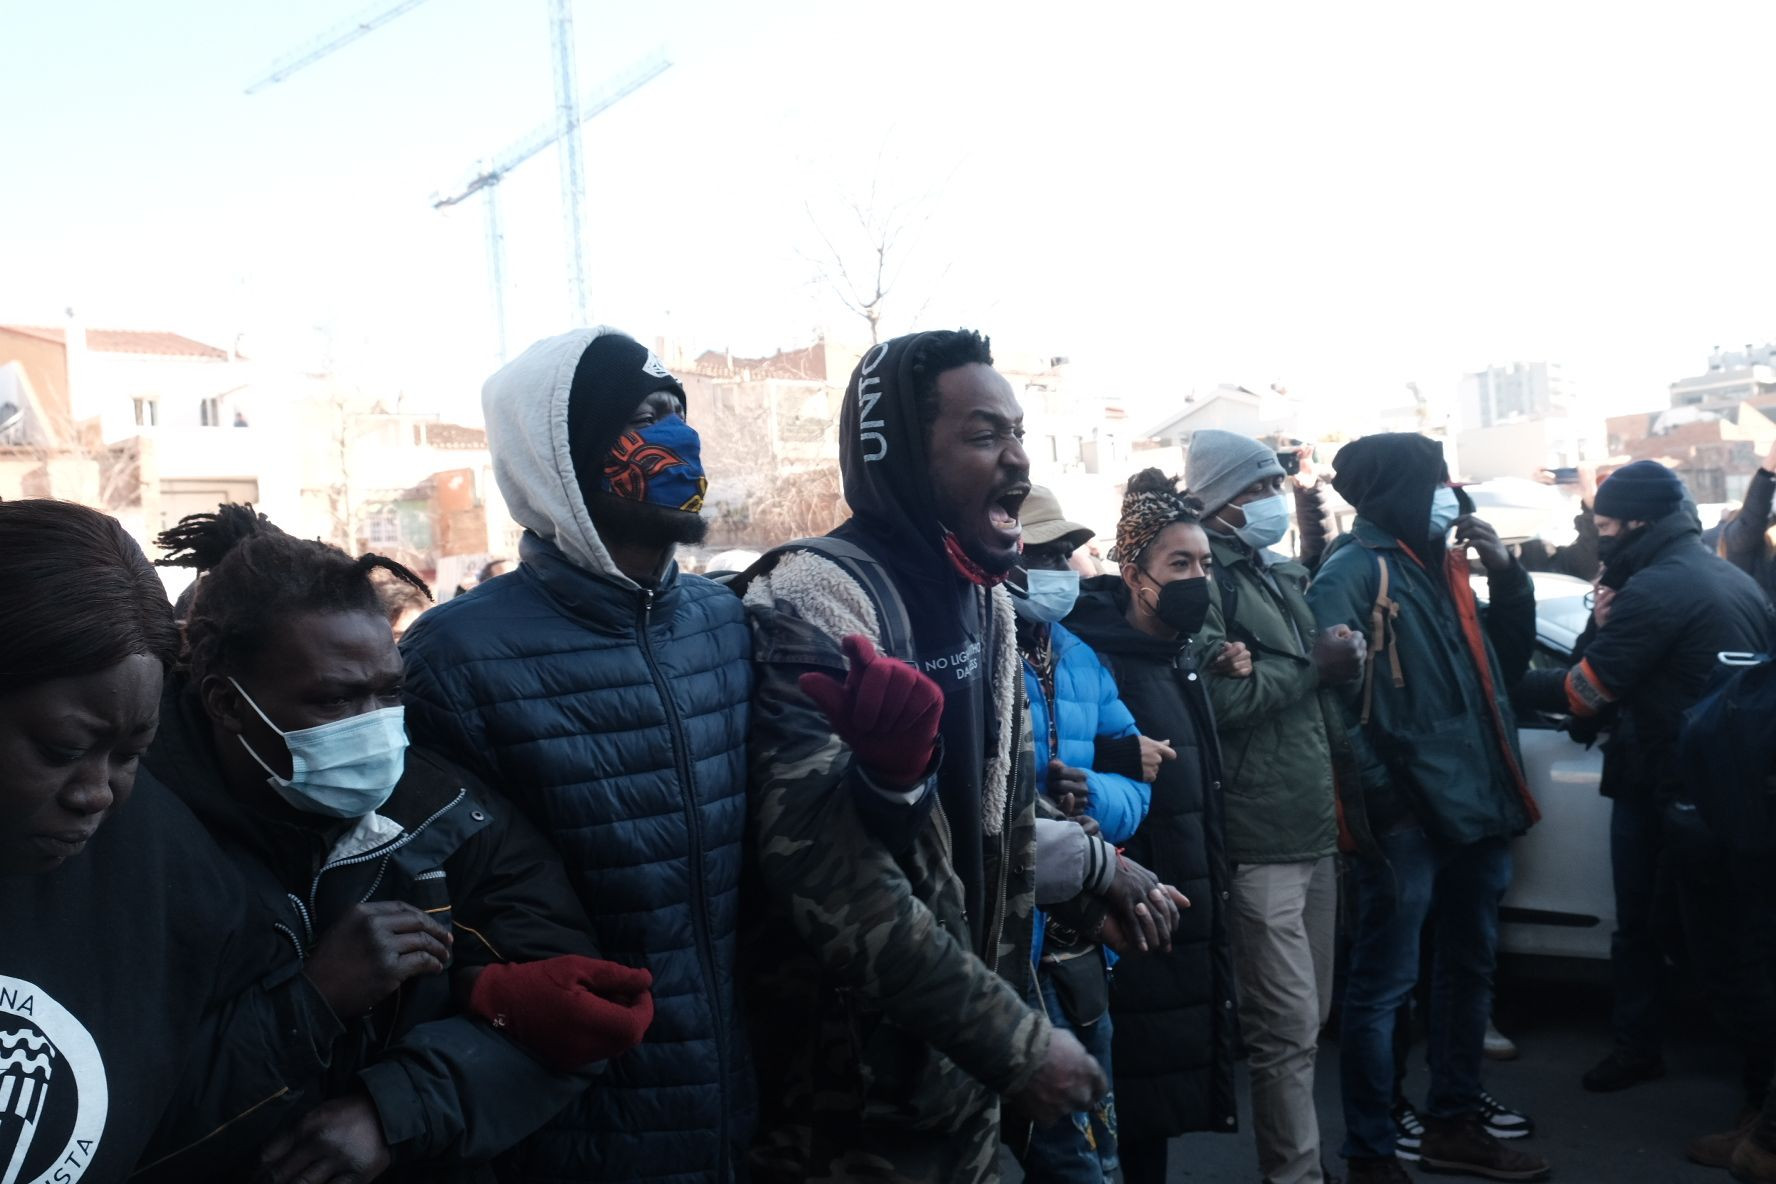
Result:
{"points": [[1498, 1046]]}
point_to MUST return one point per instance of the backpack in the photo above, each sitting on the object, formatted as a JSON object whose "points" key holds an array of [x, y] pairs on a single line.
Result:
{"points": [[1380, 636], [1728, 753], [863, 568]]}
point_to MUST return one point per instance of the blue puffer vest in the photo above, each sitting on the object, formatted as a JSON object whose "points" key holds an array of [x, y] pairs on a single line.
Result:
{"points": [[616, 717]]}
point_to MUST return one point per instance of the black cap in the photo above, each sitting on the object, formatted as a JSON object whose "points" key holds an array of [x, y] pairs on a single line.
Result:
{"points": [[613, 377]]}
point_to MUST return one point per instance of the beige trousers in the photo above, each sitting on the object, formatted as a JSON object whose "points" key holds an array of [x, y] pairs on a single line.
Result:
{"points": [[1281, 928]]}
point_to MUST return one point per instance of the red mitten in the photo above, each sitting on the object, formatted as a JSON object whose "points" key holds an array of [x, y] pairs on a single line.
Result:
{"points": [[567, 1011], [885, 710]]}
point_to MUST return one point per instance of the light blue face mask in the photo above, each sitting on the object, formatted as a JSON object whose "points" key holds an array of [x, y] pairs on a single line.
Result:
{"points": [[1267, 521], [1445, 509], [1050, 598], [344, 769]]}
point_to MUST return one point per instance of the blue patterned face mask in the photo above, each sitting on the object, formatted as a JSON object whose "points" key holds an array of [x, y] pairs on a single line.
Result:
{"points": [[660, 464]]}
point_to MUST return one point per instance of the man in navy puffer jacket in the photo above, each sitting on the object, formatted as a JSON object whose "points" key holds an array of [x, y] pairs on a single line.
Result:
{"points": [[607, 693]]}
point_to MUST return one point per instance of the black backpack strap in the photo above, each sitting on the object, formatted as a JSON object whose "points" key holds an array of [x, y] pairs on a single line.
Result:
{"points": [[1238, 631], [861, 566]]}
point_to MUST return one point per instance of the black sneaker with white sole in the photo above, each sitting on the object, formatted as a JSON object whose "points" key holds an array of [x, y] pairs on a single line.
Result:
{"points": [[1501, 1121], [1409, 1131]]}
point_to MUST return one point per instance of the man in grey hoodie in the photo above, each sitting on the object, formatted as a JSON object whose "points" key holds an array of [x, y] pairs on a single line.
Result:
{"points": [[607, 693]]}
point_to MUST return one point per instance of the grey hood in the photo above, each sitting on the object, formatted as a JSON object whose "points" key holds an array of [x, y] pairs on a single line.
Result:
{"points": [[525, 405]]}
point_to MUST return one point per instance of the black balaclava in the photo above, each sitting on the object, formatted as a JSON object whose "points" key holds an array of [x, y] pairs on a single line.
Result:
{"points": [[886, 468], [1637, 548], [613, 377], [1390, 478]]}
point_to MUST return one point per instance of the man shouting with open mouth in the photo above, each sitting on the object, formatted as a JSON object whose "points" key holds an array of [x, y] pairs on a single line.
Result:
{"points": [[894, 814]]}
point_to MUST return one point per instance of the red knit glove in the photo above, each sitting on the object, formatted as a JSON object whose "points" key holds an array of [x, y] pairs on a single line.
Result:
{"points": [[567, 1011], [885, 710]]}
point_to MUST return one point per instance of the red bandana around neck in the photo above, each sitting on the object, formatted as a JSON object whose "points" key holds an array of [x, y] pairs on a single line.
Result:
{"points": [[967, 568]]}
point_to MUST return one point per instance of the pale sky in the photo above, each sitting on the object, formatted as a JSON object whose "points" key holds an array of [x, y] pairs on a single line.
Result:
{"points": [[1343, 197]]}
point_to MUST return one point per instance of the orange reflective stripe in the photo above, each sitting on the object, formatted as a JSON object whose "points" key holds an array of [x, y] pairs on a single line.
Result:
{"points": [[1585, 692]]}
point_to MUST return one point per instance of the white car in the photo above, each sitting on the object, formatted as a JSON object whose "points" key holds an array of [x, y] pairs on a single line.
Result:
{"points": [[1561, 902]]}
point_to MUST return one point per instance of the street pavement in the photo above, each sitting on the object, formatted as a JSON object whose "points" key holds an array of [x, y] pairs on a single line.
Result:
{"points": [[1561, 1027]]}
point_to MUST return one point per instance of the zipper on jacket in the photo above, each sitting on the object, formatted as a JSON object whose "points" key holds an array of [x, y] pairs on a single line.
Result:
{"points": [[308, 929], [375, 853], [699, 901], [296, 943]]}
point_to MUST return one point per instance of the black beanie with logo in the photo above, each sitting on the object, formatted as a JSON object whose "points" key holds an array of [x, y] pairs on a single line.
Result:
{"points": [[613, 377]]}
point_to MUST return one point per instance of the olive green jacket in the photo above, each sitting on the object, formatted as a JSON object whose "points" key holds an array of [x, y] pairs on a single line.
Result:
{"points": [[1277, 773]]}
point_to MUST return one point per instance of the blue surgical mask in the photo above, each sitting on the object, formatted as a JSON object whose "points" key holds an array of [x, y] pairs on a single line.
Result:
{"points": [[1445, 509], [1050, 597], [344, 769], [1267, 521]]}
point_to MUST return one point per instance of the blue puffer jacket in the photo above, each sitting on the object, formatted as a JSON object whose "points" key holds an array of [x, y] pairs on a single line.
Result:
{"points": [[630, 754], [1089, 708], [616, 717]]}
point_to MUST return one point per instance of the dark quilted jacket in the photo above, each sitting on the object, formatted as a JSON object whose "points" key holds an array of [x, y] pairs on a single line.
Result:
{"points": [[616, 717]]}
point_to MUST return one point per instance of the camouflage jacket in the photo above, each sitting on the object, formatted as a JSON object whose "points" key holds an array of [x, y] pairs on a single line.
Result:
{"points": [[885, 1027]]}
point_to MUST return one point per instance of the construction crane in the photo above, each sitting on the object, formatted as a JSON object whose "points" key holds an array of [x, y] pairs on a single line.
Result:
{"points": [[571, 110], [337, 39], [573, 178], [487, 178]]}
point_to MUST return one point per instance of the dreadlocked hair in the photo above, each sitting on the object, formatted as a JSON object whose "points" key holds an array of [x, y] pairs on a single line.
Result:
{"points": [[256, 577], [1150, 503], [77, 595], [940, 351]]}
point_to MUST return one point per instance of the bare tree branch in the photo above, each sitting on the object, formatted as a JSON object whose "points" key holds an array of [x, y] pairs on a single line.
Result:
{"points": [[889, 233]]}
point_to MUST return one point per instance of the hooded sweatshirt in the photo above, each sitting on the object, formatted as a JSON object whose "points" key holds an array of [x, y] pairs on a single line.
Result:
{"points": [[887, 478], [616, 717], [1390, 478], [526, 405], [886, 985], [1431, 729]]}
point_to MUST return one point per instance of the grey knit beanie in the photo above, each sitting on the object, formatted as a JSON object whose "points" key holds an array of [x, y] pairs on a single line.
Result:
{"points": [[1221, 464]]}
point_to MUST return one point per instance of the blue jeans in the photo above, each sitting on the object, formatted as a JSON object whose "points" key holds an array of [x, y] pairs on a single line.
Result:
{"points": [[1393, 899], [1080, 1148]]}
